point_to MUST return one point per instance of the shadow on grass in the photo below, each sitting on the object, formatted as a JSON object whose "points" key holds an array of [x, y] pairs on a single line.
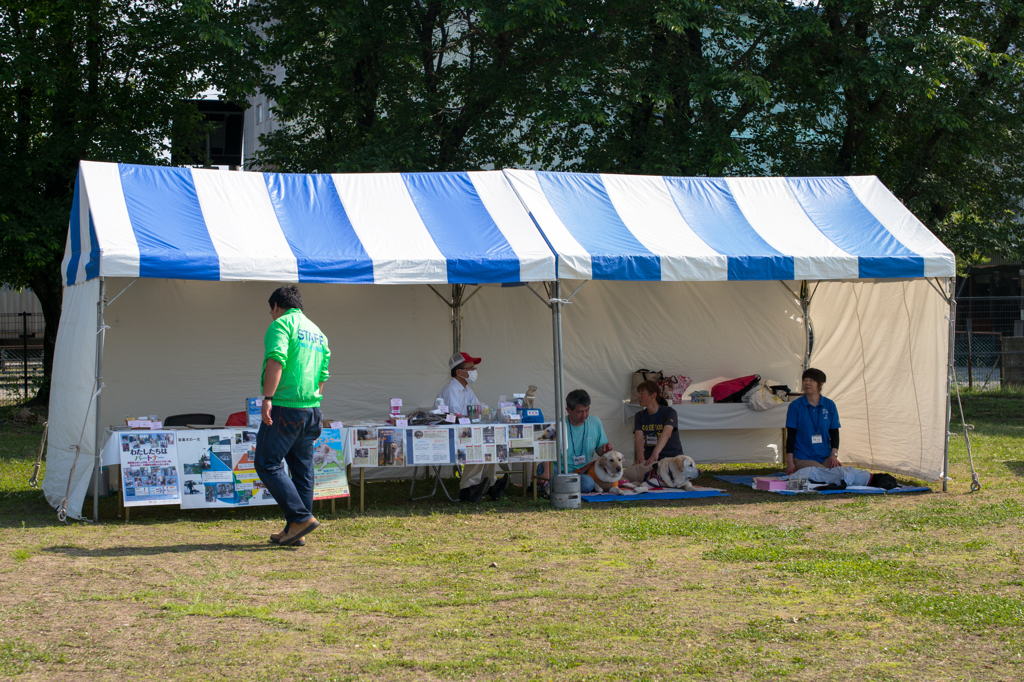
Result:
{"points": [[391, 499], [1016, 468], [154, 550]]}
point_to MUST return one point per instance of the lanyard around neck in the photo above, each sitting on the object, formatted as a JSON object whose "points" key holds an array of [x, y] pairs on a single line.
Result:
{"points": [[583, 441]]}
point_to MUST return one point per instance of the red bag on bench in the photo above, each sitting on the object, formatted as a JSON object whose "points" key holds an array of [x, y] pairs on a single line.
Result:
{"points": [[732, 391]]}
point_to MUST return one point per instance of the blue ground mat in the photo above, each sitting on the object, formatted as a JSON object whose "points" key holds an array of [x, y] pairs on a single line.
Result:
{"points": [[855, 490], [659, 495]]}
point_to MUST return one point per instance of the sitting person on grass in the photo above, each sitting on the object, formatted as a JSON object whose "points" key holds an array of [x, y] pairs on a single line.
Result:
{"points": [[655, 431], [586, 438], [812, 427]]}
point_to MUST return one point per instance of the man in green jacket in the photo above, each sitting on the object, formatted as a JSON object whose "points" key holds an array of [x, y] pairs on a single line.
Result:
{"points": [[295, 360]]}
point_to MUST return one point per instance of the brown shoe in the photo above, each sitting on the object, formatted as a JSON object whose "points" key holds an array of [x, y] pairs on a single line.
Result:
{"points": [[276, 537], [296, 531]]}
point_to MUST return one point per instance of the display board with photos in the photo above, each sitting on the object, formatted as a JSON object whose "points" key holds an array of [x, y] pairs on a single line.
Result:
{"points": [[149, 468], [451, 444], [214, 468]]}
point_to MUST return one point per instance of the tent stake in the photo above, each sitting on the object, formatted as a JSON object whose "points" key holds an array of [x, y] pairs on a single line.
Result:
{"points": [[100, 334]]}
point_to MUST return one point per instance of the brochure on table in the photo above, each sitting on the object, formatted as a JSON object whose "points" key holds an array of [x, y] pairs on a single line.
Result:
{"points": [[445, 445]]}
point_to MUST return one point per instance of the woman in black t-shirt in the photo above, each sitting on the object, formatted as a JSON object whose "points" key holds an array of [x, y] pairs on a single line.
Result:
{"points": [[655, 429]]}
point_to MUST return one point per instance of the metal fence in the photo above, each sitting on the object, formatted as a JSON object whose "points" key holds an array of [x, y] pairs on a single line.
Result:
{"points": [[21, 356], [989, 348]]}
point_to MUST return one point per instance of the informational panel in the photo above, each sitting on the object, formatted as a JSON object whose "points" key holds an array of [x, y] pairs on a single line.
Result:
{"points": [[217, 468], [452, 444], [149, 466], [330, 480]]}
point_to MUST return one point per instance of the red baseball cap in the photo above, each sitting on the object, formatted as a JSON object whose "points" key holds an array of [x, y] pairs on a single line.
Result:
{"points": [[459, 358]]}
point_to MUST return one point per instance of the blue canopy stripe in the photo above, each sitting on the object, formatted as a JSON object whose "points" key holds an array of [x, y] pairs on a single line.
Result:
{"points": [[709, 208], [832, 205], [317, 228], [584, 207], [168, 223], [461, 227]]}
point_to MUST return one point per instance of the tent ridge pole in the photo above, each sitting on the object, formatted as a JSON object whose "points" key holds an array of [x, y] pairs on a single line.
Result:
{"points": [[100, 334]]}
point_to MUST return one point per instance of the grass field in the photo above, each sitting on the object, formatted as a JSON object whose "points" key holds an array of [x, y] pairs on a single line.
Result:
{"points": [[753, 586]]}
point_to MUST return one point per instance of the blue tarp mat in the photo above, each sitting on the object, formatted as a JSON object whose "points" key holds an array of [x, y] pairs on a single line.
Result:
{"points": [[749, 482], [663, 495]]}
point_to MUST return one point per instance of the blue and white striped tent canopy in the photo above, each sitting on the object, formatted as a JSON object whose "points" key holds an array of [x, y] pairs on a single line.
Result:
{"points": [[629, 227], [383, 228], [487, 227]]}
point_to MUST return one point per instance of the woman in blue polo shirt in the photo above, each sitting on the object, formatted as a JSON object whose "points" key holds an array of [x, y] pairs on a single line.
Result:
{"points": [[812, 427]]}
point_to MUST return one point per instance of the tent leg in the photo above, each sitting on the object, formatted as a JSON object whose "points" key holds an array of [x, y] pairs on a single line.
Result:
{"points": [[950, 378], [100, 334], [556, 331]]}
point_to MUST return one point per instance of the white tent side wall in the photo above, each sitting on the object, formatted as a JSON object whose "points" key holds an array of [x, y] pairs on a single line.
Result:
{"points": [[883, 345], [72, 385]]}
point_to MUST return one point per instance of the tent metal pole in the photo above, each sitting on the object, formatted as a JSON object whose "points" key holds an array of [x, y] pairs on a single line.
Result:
{"points": [[553, 291], [556, 309], [950, 378], [100, 334], [456, 304], [805, 304]]}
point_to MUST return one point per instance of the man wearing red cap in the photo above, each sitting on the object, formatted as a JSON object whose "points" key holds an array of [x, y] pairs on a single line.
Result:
{"points": [[477, 479]]}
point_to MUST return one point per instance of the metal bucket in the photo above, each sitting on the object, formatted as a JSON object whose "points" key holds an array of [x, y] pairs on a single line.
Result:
{"points": [[565, 500], [565, 483], [565, 491]]}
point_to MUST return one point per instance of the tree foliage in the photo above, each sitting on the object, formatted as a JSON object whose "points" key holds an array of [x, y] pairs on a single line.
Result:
{"points": [[90, 79], [923, 93]]}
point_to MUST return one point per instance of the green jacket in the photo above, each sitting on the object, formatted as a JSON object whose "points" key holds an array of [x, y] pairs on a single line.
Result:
{"points": [[302, 350]]}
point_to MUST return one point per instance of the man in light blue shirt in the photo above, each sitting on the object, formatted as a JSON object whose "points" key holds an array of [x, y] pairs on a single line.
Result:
{"points": [[585, 436]]}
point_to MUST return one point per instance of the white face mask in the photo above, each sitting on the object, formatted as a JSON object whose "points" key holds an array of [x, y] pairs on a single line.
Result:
{"points": [[471, 376]]}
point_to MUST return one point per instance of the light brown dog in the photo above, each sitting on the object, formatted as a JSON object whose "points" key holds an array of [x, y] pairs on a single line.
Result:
{"points": [[674, 472], [606, 470]]}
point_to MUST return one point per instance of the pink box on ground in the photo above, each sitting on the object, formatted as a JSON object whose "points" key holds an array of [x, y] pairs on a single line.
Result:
{"points": [[769, 484]]}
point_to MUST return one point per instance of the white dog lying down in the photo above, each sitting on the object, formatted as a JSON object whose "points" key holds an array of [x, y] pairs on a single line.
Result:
{"points": [[673, 472], [606, 470]]}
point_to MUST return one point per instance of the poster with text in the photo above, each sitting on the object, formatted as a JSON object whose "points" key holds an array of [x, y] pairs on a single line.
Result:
{"points": [[329, 476], [431, 446], [149, 466], [249, 489], [196, 451], [391, 447], [364, 447]]}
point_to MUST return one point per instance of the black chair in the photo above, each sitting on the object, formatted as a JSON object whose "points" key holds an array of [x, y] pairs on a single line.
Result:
{"points": [[186, 419]]}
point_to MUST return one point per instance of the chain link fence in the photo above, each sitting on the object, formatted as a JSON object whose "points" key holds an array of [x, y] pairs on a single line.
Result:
{"points": [[21, 356], [989, 348]]}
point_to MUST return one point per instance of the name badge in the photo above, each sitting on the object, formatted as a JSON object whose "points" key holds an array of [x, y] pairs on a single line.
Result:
{"points": [[816, 439], [653, 440], [579, 460]]}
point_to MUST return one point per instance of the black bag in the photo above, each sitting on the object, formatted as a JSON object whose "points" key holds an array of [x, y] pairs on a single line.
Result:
{"points": [[884, 481]]}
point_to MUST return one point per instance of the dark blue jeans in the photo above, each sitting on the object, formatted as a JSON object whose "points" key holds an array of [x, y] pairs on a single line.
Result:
{"points": [[290, 439]]}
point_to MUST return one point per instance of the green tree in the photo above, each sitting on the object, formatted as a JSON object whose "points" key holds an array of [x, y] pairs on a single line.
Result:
{"points": [[91, 79], [924, 94], [405, 86]]}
